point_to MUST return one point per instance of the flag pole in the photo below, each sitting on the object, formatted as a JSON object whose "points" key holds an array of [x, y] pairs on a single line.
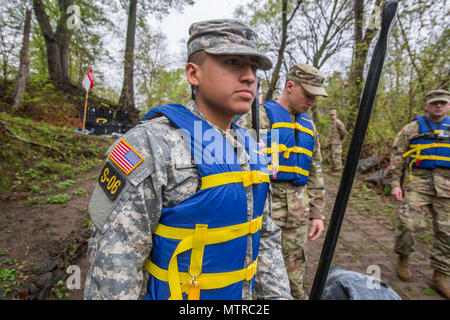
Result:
{"points": [[85, 108]]}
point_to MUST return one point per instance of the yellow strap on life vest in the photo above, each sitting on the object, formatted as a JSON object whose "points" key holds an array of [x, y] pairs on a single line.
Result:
{"points": [[287, 151], [252, 226], [275, 159], [417, 148], [295, 125], [246, 177], [422, 157], [195, 266], [188, 241], [205, 280], [298, 170]]}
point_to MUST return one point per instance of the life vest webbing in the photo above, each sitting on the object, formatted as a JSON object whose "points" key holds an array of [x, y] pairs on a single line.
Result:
{"points": [[296, 126], [189, 239], [246, 177]]}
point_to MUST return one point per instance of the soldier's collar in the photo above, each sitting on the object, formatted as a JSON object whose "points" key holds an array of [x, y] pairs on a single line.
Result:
{"points": [[192, 106]]}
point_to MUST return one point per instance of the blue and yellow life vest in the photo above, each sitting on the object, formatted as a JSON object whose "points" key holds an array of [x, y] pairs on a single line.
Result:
{"points": [[431, 148], [295, 142], [200, 245]]}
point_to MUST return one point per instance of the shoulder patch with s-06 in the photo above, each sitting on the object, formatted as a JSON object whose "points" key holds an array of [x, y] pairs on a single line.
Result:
{"points": [[111, 181]]}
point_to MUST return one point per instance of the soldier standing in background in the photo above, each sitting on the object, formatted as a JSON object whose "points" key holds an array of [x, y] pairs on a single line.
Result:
{"points": [[298, 195], [164, 228], [423, 148], [336, 135]]}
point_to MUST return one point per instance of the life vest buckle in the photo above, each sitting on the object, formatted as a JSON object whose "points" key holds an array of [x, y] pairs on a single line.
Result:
{"points": [[255, 225], [253, 177], [251, 271], [193, 288]]}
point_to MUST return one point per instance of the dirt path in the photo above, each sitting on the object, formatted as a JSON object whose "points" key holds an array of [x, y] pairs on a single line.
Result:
{"points": [[367, 238], [41, 241]]}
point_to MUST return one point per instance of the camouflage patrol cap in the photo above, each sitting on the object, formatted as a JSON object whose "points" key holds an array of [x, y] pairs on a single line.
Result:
{"points": [[310, 78], [225, 37], [437, 95], [333, 111]]}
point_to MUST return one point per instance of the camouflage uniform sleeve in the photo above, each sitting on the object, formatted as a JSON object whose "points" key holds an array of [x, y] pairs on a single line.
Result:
{"points": [[400, 146], [341, 128], [119, 245], [271, 280], [315, 186]]}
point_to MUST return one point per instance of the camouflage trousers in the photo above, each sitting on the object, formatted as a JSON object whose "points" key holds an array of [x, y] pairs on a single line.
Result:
{"points": [[336, 156], [293, 247], [412, 218]]}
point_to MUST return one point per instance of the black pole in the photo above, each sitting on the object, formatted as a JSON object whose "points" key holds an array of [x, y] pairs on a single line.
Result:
{"points": [[354, 152], [255, 112]]}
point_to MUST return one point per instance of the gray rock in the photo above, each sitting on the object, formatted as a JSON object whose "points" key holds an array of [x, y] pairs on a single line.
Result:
{"points": [[46, 265], [365, 165]]}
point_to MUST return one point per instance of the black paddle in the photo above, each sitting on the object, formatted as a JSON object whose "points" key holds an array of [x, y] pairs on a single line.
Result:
{"points": [[354, 152]]}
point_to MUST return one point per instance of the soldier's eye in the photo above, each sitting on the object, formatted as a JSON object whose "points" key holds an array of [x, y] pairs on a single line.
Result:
{"points": [[233, 62]]}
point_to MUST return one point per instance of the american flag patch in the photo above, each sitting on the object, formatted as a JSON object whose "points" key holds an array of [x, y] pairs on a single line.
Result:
{"points": [[125, 157]]}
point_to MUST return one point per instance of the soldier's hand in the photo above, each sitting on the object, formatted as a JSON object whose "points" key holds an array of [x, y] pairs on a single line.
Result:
{"points": [[316, 229], [397, 193], [261, 144]]}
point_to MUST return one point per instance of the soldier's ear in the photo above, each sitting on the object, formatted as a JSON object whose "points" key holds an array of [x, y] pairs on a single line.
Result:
{"points": [[193, 74], [290, 85]]}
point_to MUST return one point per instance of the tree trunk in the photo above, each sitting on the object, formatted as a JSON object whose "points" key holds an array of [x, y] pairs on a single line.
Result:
{"points": [[24, 67], [360, 51], [126, 99], [63, 35], [57, 44], [276, 70]]}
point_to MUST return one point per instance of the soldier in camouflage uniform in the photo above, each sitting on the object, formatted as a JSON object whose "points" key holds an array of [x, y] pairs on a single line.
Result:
{"points": [[421, 152], [222, 67], [335, 138], [294, 207]]}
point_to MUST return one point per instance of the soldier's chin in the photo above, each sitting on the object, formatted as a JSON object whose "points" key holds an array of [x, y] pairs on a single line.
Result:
{"points": [[241, 109]]}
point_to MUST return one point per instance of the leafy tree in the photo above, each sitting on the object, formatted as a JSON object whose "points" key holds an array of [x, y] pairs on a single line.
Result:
{"points": [[320, 33], [362, 40], [157, 81], [160, 8], [22, 77], [68, 16], [57, 41], [12, 17]]}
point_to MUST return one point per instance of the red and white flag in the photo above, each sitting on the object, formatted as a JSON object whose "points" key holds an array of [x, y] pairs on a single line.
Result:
{"points": [[88, 81]]}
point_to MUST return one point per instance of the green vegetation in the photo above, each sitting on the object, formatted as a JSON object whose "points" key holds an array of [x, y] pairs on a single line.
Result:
{"points": [[60, 290], [51, 166], [80, 192], [65, 185], [428, 292], [9, 276], [59, 198]]}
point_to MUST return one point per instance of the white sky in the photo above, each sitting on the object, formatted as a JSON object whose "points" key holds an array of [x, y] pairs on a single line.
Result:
{"points": [[176, 24]]}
